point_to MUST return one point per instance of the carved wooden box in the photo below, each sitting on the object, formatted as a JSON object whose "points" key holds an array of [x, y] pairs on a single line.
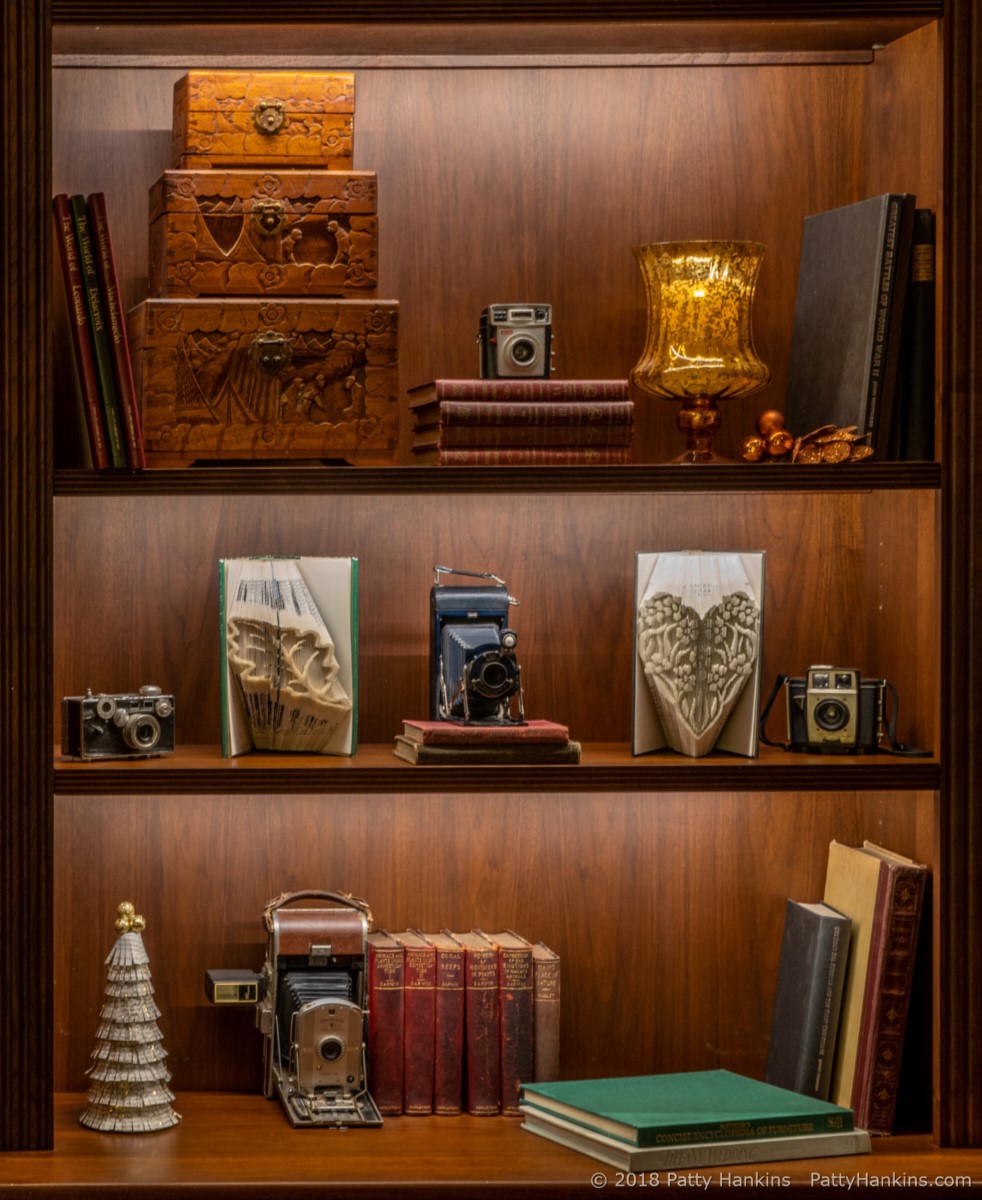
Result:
{"points": [[271, 233], [262, 379], [235, 118]]}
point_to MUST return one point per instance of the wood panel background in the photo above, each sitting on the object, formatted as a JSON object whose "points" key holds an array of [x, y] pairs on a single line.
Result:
{"points": [[510, 184], [667, 910], [524, 182], [136, 591]]}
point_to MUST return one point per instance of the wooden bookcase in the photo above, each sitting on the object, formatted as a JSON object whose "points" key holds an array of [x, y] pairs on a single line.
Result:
{"points": [[516, 159]]}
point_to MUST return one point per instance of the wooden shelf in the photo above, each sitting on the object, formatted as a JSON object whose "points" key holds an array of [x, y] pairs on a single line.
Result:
{"points": [[301, 479], [604, 767], [234, 1145]]}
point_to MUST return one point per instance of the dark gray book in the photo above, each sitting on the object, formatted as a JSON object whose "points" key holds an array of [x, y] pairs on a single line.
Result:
{"points": [[848, 317], [811, 974], [912, 432]]}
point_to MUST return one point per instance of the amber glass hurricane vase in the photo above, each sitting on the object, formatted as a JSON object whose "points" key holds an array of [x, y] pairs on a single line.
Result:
{"points": [[700, 347]]}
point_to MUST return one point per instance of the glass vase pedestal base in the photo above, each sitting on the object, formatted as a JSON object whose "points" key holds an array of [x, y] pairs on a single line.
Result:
{"points": [[699, 421]]}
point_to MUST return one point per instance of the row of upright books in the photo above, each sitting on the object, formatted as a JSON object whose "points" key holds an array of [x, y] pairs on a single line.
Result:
{"points": [[101, 350], [522, 422], [846, 982], [459, 1021]]}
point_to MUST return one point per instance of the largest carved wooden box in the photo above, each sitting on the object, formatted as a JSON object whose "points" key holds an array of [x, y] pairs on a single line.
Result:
{"points": [[237, 118], [264, 233], [258, 379]]}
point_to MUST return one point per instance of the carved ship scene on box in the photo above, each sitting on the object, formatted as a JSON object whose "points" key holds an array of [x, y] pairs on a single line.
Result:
{"points": [[260, 379], [297, 233], [234, 118]]}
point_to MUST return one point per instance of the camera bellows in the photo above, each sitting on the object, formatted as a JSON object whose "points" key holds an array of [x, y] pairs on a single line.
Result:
{"points": [[282, 655]]}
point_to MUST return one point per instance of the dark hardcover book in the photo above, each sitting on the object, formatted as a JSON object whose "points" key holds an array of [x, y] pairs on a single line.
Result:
{"points": [[482, 754], [386, 1007], [419, 1023], [848, 317], [515, 1014], [522, 456], [811, 975], [886, 997], [78, 323], [546, 996], [913, 425], [99, 331], [482, 1035], [448, 1055], [476, 437], [116, 324], [687, 1107], [429, 396], [450, 733]]}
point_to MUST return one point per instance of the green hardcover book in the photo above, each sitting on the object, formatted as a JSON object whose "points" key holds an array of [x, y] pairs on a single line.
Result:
{"points": [[691, 1106], [98, 330]]}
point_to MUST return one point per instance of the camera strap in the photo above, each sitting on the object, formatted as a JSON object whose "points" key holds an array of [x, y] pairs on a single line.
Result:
{"points": [[889, 723], [766, 712], [890, 726]]}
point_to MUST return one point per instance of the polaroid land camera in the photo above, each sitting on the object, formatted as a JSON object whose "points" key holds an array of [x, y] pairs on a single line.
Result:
{"points": [[474, 674], [515, 341], [311, 1008]]}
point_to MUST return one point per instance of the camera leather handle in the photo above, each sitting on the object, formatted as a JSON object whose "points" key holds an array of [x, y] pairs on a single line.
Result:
{"points": [[345, 898]]}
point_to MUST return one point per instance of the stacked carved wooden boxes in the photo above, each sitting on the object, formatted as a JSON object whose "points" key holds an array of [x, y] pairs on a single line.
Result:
{"points": [[263, 339]]}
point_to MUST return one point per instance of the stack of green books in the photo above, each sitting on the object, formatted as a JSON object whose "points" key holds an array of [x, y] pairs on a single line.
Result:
{"points": [[690, 1119]]}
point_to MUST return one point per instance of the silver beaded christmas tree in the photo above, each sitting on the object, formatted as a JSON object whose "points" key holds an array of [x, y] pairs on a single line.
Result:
{"points": [[129, 1091]]}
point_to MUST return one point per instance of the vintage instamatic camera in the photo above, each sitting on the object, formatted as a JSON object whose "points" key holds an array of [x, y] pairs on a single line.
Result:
{"points": [[832, 710], [135, 725], [515, 341], [475, 677], [311, 1008]]}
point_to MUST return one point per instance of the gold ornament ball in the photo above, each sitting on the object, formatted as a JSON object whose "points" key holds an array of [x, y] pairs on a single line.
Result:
{"points": [[126, 909], [138, 924], [779, 442], [753, 448], [122, 924], [768, 421]]}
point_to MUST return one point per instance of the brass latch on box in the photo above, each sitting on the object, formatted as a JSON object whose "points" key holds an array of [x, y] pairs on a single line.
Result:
{"points": [[268, 116]]}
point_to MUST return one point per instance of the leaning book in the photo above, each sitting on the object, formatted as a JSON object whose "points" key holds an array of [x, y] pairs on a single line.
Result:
{"points": [[289, 663], [686, 1107], [699, 1154]]}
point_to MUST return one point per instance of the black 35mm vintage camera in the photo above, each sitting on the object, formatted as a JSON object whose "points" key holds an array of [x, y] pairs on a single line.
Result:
{"points": [[133, 725], [834, 710], [475, 677], [311, 1002], [515, 341]]}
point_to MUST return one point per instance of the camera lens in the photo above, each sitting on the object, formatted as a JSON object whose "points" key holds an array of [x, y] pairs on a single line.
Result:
{"points": [[831, 715], [330, 1048], [520, 352], [494, 676], [142, 732]]}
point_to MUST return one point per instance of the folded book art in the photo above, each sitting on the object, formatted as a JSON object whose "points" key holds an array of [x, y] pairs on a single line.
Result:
{"points": [[289, 677], [697, 658]]}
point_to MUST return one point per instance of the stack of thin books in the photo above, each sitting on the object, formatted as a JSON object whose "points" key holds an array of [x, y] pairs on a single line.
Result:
{"points": [[686, 1120], [522, 422], [457, 743]]}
